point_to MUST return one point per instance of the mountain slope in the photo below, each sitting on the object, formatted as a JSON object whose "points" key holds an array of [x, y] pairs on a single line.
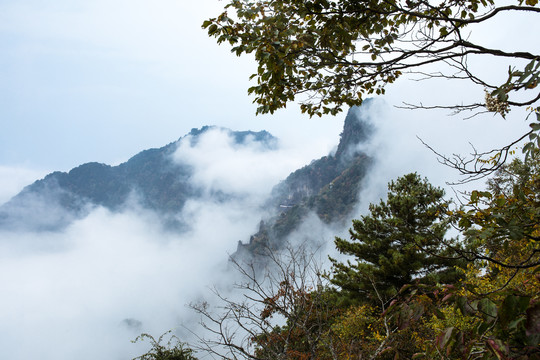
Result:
{"points": [[158, 180], [152, 177], [328, 187]]}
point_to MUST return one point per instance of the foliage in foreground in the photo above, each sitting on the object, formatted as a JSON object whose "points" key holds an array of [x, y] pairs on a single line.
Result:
{"points": [[333, 53], [489, 308], [174, 349], [398, 241]]}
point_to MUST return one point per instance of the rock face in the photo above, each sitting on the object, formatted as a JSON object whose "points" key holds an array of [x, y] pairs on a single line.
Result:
{"points": [[152, 177], [328, 187]]}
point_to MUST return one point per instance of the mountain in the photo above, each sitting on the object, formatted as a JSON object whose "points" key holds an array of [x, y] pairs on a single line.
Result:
{"points": [[157, 180], [152, 177], [327, 187]]}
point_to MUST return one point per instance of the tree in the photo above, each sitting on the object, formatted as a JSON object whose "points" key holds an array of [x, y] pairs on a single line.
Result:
{"points": [[336, 52], [288, 311], [281, 313], [329, 54], [493, 311], [490, 311], [502, 225], [399, 241], [173, 350]]}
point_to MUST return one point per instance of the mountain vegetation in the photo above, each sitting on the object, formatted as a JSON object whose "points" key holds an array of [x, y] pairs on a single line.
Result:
{"points": [[487, 306], [424, 277], [327, 187], [163, 184], [400, 240], [152, 177], [411, 288], [408, 291]]}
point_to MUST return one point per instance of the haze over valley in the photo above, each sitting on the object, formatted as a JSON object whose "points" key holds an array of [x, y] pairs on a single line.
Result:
{"points": [[120, 250]]}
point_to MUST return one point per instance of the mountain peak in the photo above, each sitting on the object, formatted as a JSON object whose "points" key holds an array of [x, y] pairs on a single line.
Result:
{"points": [[240, 137], [158, 182], [356, 130], [327, 187]]}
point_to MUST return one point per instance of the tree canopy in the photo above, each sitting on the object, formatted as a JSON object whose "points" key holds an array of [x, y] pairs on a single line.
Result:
{"points": [[400, 240], [490, 310], [333, 53], [329, 54], [493, 311]]}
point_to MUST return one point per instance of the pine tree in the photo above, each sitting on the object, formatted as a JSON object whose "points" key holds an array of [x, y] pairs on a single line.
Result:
{"points": [[399, 241]]}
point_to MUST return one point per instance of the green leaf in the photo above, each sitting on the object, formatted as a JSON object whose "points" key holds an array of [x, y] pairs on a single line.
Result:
{"points": [[514, 324], [535, 126], [443, 31], [528, 147], [462, 305], [529, 66], [212, 29], [482, 328], [443, 339], [485, 194]]}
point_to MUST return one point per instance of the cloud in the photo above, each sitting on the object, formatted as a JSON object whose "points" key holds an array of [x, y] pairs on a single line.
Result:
{"points": [[88, 290], [80, 296], [220, 164], [14, 179], [397, 150], [85, 292], [74, 69]]}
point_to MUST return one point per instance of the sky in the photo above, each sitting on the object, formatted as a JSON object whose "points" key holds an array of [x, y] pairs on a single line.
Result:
{"points": [[103, 80], [85, 81]]}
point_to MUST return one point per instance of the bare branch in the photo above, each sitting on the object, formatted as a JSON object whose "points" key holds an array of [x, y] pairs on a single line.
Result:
{"points": [[480, 164]]}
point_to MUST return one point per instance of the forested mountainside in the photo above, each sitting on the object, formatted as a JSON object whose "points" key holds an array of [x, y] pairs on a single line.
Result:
{"points": [[152, 177], [328, 187]]}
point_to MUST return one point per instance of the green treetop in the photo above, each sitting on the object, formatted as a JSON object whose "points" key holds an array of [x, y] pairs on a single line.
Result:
{"points": [[399, 241]]}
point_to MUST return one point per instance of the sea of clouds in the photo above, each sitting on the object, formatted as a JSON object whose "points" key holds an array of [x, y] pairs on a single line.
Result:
{"points": [[85, 292]]}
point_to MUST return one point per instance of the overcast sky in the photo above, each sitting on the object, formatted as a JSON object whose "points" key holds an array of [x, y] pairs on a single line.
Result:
{"points": [[101, 80]]}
